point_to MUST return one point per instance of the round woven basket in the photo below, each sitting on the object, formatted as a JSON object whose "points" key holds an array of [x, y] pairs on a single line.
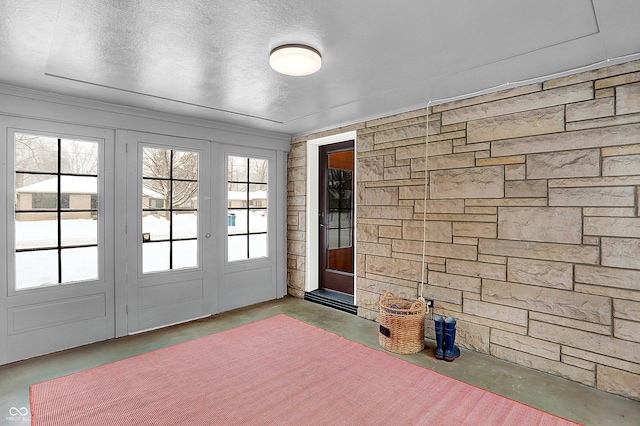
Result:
{"points": [[401, 324]]}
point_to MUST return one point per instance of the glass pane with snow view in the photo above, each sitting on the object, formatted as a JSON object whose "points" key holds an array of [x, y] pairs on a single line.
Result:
{"points": [[156, 226], [78, 229], [155, 257], [257, 221], [185, 254], [36, 269], [35, 230], [257, 246], [79, 264], [237, 247]]}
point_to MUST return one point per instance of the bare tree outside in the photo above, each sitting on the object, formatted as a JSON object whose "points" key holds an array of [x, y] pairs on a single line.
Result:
{"points": [[40, 154], [79, 157], [34, 154], [36, 159], [258, 170], [236, 173], [242, 170], [165, 170]]}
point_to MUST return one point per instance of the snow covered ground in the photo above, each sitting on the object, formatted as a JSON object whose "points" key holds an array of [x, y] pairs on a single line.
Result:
{"points": [[40, 268]]}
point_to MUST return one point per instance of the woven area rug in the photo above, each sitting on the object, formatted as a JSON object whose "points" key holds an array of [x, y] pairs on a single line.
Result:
{"points": [[277, 371]]}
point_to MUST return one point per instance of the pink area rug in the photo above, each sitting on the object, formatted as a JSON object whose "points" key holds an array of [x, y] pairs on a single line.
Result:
{"points": [[278, 371]]}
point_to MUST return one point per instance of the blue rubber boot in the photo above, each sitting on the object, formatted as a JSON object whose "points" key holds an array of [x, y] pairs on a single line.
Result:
{"points": [[451, 351], [439, 322]]}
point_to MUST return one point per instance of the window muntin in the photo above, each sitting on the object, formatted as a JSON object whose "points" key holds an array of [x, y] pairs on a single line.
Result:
{"points": [[247, 208], [55, 210], [169, 209]]}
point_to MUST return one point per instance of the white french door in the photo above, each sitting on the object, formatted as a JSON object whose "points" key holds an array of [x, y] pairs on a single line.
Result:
{"points": [[111, 232], [169, 235], [57, 256]]}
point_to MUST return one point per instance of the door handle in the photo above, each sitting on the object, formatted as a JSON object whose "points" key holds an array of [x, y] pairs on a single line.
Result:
{"points": [[321, 225], [207, 235]]}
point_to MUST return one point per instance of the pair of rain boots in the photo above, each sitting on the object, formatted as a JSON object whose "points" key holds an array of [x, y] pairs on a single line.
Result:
{"points": [[445, 338]]}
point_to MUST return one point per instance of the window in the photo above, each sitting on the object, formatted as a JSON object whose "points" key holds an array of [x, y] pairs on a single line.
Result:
{"points": [[56, 210], [169, 209], [247, 202], [49, 201], [339, 196], [154, 203]]}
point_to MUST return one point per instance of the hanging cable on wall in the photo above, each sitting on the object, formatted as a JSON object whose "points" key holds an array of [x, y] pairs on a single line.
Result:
{"points": [[424, 206], [511, 84], [493, 89]]}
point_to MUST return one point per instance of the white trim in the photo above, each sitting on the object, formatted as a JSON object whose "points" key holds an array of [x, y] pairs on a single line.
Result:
{"points": [[27, 103], [14, 345], [313, 149], [281, 225]]}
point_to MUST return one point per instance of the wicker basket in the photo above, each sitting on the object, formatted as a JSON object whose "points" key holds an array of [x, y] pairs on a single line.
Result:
{"points": [[401, 324]]}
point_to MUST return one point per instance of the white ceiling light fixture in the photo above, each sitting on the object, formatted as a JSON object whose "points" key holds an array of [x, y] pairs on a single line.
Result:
{"points": [[295, 59]]}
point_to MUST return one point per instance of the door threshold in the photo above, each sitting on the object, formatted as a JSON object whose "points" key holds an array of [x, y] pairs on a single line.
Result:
{"points": [[333, 299]]}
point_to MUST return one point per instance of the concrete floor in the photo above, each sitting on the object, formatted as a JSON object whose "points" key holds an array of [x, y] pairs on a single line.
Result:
{"points": [[567, 399]]}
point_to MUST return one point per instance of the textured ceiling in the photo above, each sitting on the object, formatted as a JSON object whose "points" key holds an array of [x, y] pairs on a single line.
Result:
{"points": [[209, 59]]}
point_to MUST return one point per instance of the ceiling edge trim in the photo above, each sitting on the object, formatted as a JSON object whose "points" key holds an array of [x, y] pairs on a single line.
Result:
{"points": [[22, 92]]}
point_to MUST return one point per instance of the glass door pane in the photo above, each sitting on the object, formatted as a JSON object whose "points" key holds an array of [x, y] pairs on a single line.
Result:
{"points": [[336, 259], [56, 210], [169, 199], [247, 202]]}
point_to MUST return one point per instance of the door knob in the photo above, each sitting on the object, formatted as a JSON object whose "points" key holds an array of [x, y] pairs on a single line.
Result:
{"points": [[207, 235]]}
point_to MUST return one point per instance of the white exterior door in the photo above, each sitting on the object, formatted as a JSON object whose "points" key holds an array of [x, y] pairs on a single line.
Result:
{"points": [[111, 232], [171, 265], [59, 243], [252, 204]]}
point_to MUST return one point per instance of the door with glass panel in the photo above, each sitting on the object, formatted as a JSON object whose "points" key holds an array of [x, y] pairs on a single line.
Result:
{"points": [[249, 253], [169, 237], [336, 217], [59, 237]]}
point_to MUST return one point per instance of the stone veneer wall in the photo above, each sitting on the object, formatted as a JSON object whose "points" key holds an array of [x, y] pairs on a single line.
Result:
{"points": [[533, 222]]}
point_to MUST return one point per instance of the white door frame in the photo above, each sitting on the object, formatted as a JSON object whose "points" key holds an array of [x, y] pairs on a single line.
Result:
{"points": [[250, 281], [79, 313], [159, 299], [313, 194]]}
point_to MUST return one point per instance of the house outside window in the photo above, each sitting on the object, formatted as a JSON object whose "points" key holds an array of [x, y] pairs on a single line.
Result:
{"points": [[247, 200], [56, 210]]}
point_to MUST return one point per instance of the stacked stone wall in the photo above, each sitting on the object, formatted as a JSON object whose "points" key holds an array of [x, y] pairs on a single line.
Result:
{"points": [[531, 222]]}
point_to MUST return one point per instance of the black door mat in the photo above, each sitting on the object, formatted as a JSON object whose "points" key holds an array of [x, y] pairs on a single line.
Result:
{"points": [[333, 299]]}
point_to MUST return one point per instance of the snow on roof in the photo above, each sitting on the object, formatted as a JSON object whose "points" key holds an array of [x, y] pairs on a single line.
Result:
{"points": [[68, 185], [88, 185], [73, 185], [151, 193], [241, 196]]}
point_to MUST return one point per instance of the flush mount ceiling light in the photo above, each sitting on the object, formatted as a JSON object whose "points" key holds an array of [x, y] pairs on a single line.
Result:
{"points": [[295, 59]]}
